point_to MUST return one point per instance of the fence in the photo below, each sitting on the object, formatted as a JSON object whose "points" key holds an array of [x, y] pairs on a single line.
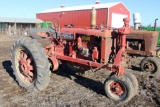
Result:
{"points": [[15, 28]]}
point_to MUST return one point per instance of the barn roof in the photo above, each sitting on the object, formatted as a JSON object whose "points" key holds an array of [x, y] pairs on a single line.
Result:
{"points": [[84, 7], [19, 20]]}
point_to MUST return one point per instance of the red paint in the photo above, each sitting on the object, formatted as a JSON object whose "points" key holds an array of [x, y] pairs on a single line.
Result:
{"points": [[55, 63], [81, 61], [79, 39], [87, 31], [119, 60], [80, 18], [62, 6], [70, 49], [25, 65], [97, 2], [120, 9], [117, 88], [100, 57], [95, 54], [102, 17]]}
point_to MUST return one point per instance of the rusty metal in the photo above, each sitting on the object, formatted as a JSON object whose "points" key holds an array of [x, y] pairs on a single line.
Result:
{"points": [[69, 34], [95, 54], [93, 17], [147, 40], [86, 31], [91, 47], [144, 53], [119, 60], [106, 44], [117, 88], [155, 24], [81, 61], [149, 67]]}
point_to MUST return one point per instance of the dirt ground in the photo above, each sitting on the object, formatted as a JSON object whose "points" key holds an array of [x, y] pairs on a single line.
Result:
{"points": [[66, 90]]}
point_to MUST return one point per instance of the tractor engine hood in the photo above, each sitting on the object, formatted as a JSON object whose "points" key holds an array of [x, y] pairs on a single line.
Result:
{"points": [[150, 39], [89, 32]]}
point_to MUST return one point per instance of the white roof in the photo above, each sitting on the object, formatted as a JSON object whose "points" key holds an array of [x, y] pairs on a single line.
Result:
{"points": [[84, 7], [19, 20]]}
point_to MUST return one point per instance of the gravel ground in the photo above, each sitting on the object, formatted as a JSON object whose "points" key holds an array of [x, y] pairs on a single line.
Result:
{"points": [[66, 90]]}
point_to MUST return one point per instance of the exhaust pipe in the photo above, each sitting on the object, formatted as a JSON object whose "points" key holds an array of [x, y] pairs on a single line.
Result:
{"points": [[155, 24], [93, 17]]}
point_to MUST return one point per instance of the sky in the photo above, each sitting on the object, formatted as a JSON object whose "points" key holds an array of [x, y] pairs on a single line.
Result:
{"points": [[148, 9]]}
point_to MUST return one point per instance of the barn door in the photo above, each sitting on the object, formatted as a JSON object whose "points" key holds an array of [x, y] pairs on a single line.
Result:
{"points": [[117, 20]]}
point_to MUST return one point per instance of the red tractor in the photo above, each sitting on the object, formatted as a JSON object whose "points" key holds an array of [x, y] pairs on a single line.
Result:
{"points": [[97, 48]]}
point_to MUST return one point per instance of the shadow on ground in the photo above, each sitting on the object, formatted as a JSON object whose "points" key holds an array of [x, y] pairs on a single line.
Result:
{"points": [[135, 68], [7, 66], [91, 84]]}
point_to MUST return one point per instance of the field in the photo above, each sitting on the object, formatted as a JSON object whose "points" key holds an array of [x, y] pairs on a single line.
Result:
{"points": [[68, 90]]}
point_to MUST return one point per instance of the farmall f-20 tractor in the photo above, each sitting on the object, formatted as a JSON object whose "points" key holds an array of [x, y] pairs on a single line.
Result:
{"points": [[97, 48]]}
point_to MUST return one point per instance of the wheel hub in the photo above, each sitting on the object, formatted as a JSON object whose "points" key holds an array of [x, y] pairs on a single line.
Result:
{"points": [[26, 68], [149, 67], [158, 54], [116, 88]]}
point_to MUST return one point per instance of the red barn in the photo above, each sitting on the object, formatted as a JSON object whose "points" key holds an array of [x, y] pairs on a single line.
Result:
{"points": [[110, 14]]}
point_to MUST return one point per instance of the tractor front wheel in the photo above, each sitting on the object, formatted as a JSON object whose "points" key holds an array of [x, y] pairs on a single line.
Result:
{"points": [[134, 81], [118, 88], [30, 64]]}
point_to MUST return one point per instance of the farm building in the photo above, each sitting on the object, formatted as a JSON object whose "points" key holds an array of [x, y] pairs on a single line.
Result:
{"points": [[17, 26], [107, 14]]}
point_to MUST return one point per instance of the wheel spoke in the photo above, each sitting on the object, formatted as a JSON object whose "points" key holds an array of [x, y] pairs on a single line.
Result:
{"points": [[30, 68], [31, 74], [29, 60], [152, 66], [21, 55], [26, 66], [29, 78], [25, 56]]}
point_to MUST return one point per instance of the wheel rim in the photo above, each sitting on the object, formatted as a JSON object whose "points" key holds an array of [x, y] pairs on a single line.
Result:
{"points": [[117, 90], [25, 66], [149, 67], [158, 54]]}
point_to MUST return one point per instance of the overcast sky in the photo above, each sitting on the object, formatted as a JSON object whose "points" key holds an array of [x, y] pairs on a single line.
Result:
{"points": [[148, 9]]}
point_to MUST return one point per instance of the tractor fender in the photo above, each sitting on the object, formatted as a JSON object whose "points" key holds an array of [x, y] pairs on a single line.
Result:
{"points": [[54, 63]]}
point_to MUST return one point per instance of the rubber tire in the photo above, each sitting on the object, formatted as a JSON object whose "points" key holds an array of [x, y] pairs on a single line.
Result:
{"points": [[155, 61], [40, 60], [157, 51], [134, 81], [128, 74], [126, 82], [33, 32]]}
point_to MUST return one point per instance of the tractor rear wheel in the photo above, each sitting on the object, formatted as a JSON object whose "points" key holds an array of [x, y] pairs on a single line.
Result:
{"points": [[158, 53], [119, 88], [150, 65], [30, 64]]}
